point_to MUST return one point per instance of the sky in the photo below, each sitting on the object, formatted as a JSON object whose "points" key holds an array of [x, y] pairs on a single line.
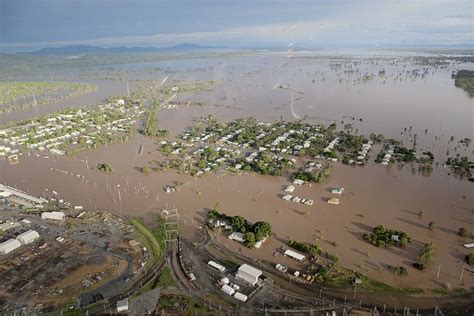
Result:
{"points": [[33, 24]]}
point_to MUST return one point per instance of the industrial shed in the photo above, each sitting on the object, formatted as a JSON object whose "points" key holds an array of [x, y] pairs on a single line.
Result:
{"points": [[55, 216], [28, 237], [248, 274], [294, 255], [9, 246]]}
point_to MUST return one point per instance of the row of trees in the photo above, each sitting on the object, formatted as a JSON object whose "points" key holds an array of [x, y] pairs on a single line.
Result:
{"points": [[151, 125], [311, 249]]}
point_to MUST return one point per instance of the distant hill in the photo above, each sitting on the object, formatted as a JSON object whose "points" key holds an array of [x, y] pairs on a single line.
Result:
{"points": [[88, 49]]}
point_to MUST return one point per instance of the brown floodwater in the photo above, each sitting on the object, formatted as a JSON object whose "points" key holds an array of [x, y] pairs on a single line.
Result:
{"points": [[374, 194]]}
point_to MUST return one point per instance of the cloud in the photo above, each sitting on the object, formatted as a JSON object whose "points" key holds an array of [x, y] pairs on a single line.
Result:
{"points": [[271, 33], [364, 23]]}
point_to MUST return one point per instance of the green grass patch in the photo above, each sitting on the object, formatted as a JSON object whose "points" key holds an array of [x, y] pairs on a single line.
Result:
{"points": [[164, 280], [154, 240], [371, 285]]}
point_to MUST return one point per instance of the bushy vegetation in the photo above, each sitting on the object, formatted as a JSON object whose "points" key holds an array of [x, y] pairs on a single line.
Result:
{"points": [[146, 170], [311, 249], [383, 237], [105, 167], [431, 225], [151, 125], [470, 259], [317, 176], [404, 154], [267, 164], [464, 79], [461, 166], [427, 253], [420, 266], [252, 233], [401, 271], [463, 232]]}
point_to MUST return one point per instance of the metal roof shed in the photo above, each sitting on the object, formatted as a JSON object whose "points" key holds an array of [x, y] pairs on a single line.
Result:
{"points": [[9, 246], [294, 255], [227, 290], [241, 297], [122, 306], [28, 237], [248, 274]]}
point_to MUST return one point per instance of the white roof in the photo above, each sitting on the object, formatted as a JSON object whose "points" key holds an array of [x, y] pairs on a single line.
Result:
{"points": [[295, 255], [28, 234], [20, 194], [240, 296], [216, 265], [122, 305], [238, 236], [250, 270], [471, 245], [227, 289], [9, 245]]}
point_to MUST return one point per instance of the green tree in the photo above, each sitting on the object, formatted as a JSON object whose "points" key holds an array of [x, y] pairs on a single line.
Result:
{"points": [[105, 167], [250, 239], [470, 259], [431, 225], [239, 224], [262, 229], [427, 253], [401, 271], [463, 232]]}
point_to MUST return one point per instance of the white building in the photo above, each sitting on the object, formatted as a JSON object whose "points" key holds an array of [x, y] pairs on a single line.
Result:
{"points": [[294, 255], [122, 306], [55, 216], [248, 274], [28, 237], [217, 266], [9, 192], [227, 289], [9, 246], [8, 225], [237, 236], [241, 297]]}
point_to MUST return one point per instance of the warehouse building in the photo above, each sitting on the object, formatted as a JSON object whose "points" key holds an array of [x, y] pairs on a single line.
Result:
{"points": [[122, 306], [248, 274], [8, 246], [28, 237], [294, 255], [8, 225], [55, 216], [19, 197]]}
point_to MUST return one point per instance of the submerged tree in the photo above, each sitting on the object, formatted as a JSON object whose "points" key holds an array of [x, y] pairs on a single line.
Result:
{"points": [[427, 253], [105, 167]]}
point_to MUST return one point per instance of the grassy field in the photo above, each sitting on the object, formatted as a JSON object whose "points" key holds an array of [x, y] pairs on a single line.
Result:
{"points": [[154, 240], [16, 95]]}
